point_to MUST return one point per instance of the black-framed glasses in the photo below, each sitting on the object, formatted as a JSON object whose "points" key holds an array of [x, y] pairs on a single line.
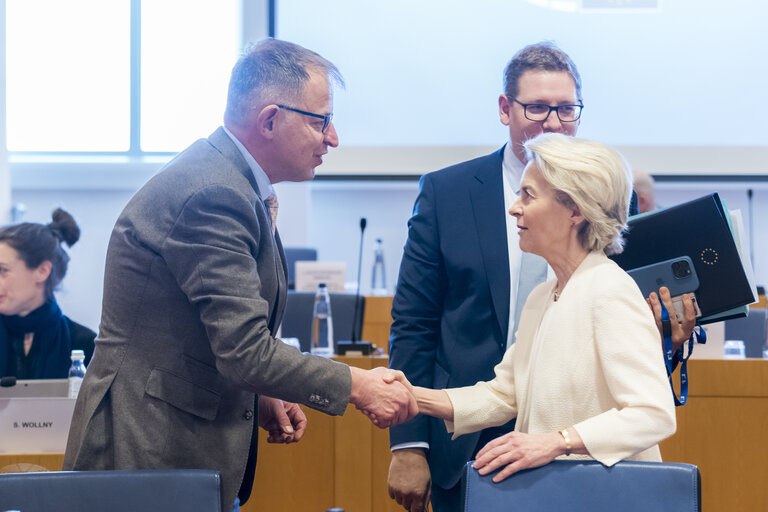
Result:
{"points": [[326, 117], [539, 112]]}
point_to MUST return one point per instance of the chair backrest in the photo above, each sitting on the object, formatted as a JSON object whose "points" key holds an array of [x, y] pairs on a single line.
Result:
{"points": [[294, 254], [190, 490], [751, 329], [587, 486], [297, 318]]}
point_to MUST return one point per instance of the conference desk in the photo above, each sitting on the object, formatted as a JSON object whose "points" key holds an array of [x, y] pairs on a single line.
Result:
{"points": [[722, 429], [340, 462], [343, 461]]}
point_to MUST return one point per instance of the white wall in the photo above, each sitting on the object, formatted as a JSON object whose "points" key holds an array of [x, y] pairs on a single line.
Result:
{"points": [[324, 215], [5, 182]]}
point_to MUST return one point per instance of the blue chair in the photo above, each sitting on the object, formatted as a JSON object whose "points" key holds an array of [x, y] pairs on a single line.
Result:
{"points": [[294, 254], [752, 329], [190, 490], [587, 486]]}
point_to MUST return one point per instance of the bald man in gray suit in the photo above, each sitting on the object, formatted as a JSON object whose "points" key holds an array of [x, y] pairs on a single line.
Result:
{"points": [[186, 365]]}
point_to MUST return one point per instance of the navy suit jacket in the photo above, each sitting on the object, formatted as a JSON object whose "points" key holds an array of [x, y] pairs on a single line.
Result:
{"points": [[451, 306]]}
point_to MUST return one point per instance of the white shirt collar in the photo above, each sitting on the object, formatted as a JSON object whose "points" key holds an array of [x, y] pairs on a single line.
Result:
{"points": [[262, 181], [512, 167]]}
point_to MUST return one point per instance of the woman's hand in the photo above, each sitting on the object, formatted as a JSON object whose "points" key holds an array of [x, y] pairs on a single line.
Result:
{"points": [[517, 451], [432, 402], [391, 376], [680, 328]]}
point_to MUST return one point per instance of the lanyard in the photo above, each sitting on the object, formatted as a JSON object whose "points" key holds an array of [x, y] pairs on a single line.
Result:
{"points": [[671, 359]]}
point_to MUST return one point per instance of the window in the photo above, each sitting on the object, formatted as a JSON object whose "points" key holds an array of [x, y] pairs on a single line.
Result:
{"points": [[118, 77], [68, 80]]}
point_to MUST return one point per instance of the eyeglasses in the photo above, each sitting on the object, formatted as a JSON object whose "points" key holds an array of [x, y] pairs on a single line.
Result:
{"points": [[540, 113], [326, 118]]}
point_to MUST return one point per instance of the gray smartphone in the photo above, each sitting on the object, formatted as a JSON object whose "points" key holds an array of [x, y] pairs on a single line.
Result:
{"points": [[677, 274]]}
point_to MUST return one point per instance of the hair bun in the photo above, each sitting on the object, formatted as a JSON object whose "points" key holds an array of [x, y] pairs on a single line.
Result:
{"points": [[64, 227]]}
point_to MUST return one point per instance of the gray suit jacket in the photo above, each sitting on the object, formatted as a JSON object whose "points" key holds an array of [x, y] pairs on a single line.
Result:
{"points": [[194, 289]]}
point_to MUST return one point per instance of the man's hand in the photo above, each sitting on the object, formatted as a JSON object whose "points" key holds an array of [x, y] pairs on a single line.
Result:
{"points": [[386, 404], [285, 421], [680, 328], [409, 479]]}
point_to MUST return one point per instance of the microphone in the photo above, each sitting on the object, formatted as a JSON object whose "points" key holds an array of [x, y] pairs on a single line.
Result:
{"points": [[360, 347], [751, 229], [355, 334], [8, 381]]}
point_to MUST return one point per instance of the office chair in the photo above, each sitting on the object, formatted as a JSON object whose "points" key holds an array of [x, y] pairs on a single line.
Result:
{"points": [[752, 329], [294, 254], [587, 486], [297, 318], [190, 490]]}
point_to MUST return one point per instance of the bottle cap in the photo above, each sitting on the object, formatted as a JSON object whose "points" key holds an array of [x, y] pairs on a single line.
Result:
{"points": [[77, 354]]}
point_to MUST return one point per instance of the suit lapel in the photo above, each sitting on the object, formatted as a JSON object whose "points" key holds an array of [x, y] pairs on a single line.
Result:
{"points": [[487, 196], [282, 283], [221, 141]]}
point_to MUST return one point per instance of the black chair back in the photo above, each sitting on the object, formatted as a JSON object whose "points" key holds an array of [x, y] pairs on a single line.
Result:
{"points": [[294, 254], [190, 490], [751, 329]]}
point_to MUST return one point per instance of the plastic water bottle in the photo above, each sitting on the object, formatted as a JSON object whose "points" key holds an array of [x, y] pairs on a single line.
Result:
{"points": [[76, 372], [322, 323], [378, 279], [733, 349]]}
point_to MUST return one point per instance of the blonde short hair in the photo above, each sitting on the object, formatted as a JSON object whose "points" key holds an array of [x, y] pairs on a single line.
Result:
{"points": [[591, 176]]}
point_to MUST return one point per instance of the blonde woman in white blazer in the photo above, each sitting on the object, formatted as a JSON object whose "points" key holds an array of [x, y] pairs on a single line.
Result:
{"points": [[586, 376]]}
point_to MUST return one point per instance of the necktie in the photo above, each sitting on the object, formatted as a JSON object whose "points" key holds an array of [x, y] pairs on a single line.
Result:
{"points": [[271, 203]]}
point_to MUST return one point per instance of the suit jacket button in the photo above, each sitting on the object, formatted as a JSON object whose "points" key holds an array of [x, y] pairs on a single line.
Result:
{"points": [[248, 415]]}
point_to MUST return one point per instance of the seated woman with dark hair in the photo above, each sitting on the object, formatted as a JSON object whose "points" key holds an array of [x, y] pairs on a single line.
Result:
{"points": [[36, 339]]}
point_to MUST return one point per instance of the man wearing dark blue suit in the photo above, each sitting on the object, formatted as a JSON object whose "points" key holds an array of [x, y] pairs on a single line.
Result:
{"points": [[463, 279]]}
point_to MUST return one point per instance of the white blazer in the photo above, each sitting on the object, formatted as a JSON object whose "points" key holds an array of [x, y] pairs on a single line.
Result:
{"points": [[597, 366]]}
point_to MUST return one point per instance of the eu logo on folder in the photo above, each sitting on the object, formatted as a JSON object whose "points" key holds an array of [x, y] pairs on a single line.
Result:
{"points": [[700, 229]]}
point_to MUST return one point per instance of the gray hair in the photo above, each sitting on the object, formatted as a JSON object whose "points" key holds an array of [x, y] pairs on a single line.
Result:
{"points": [[543, 56], [591, 176], [273, 71]]}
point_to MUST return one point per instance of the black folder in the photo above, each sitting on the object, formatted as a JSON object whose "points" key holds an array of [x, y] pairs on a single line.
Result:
{"points": [[699, 229]]}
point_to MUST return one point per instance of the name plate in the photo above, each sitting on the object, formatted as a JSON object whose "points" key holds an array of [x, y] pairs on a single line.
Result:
{"points": [[310, 273], [35, 425]]}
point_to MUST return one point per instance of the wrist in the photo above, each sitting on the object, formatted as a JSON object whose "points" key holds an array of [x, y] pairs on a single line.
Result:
{"points": [[356, 390], [410, 452], [565, 442]]}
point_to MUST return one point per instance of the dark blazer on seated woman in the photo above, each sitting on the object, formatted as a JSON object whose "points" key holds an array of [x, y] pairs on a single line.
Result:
{"points": [[55, 337]]}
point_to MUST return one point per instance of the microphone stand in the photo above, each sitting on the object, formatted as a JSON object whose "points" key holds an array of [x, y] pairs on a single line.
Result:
{"points": [[363, 223], [360, 347], [751, 229]]}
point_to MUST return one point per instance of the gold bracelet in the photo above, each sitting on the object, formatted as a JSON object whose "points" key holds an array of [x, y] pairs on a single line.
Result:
{"points": [[567, 440]]}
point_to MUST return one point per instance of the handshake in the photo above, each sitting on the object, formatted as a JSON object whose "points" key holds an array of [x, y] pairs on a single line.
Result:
{"points": [[384, 395]]}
